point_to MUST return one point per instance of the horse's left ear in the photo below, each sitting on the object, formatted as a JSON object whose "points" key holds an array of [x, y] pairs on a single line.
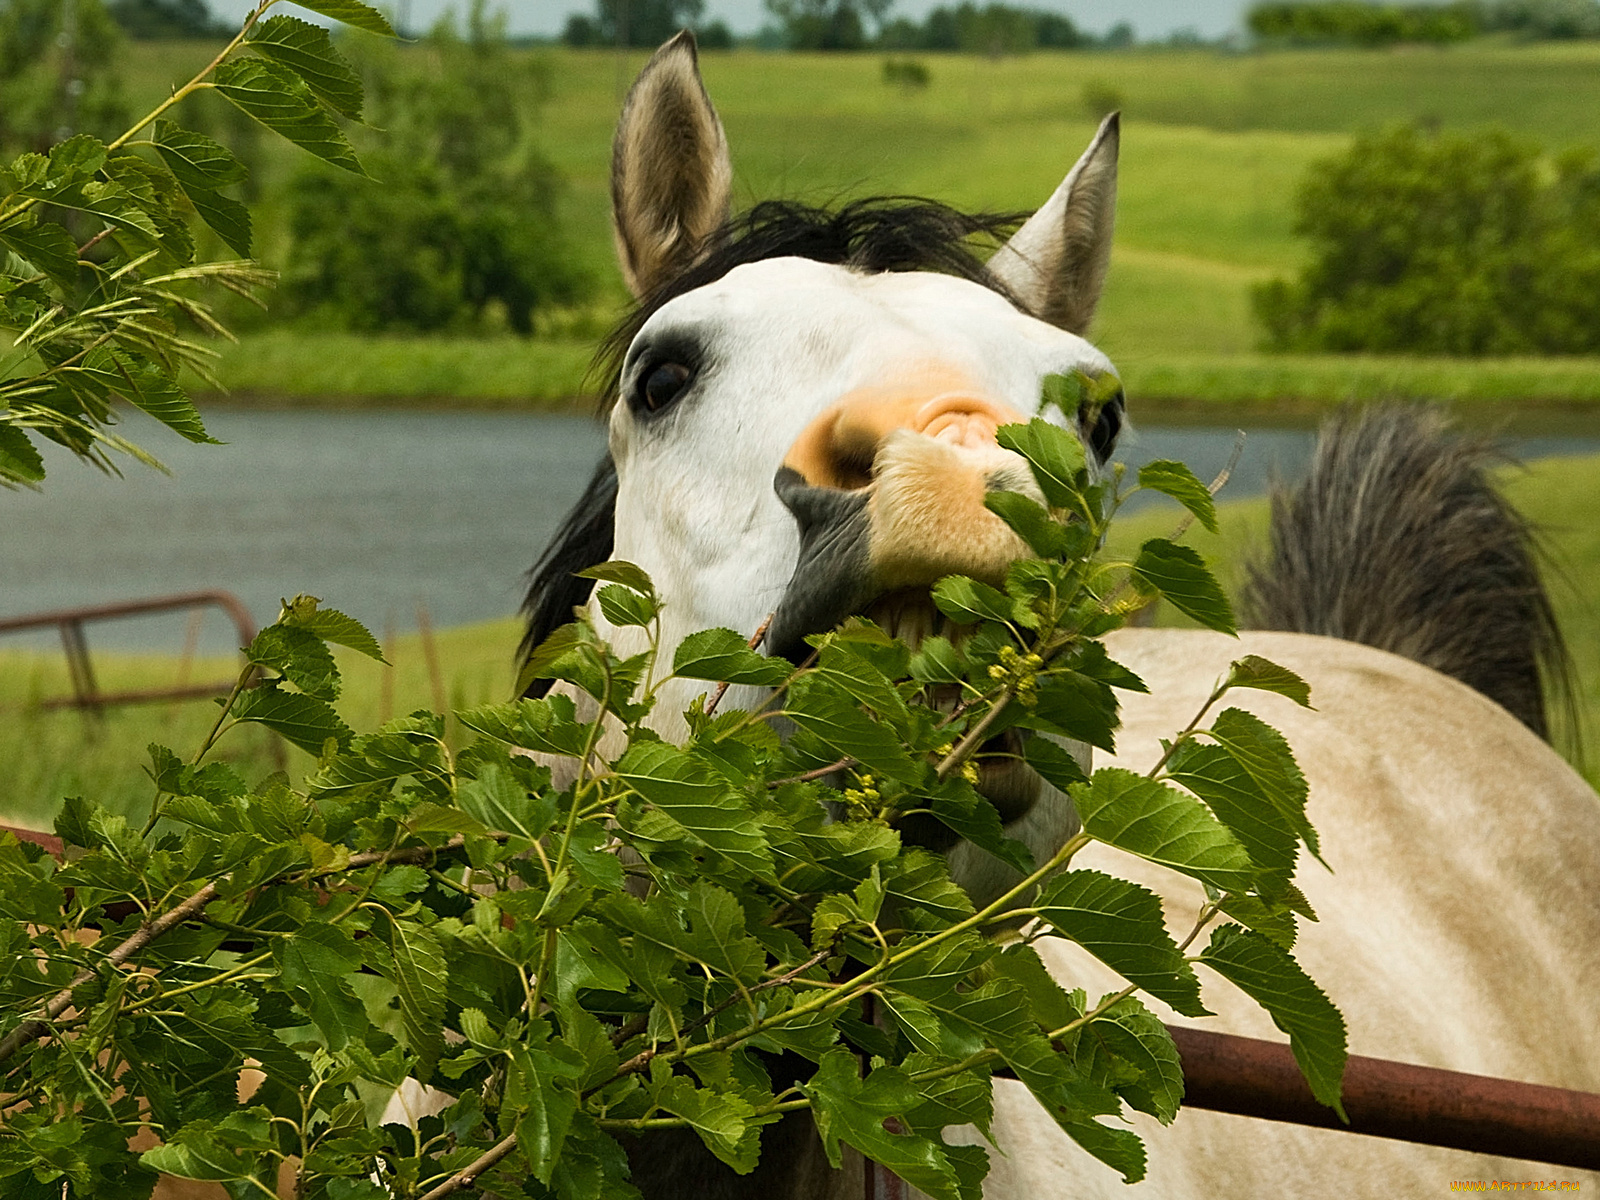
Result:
{"points": [[1056, 263], [670, 174]]}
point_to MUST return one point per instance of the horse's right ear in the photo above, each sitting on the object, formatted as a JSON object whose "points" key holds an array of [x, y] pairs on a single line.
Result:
{"points": [[670, 174], [1056, 263]]}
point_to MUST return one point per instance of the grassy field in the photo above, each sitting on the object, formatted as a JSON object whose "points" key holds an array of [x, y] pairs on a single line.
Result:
{"points": [[51, 755], [1214, 145]]}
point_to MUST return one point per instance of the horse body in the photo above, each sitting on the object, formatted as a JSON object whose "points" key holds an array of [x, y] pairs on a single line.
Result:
{"points": [[1458, 924]]}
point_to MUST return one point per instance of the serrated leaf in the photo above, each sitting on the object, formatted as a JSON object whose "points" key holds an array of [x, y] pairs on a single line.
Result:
{"points": [[1054, 762], [496, 800], [421, 975], [725, 657], [303, 720], [1179, 575], [824, 710], [202, 167], [20, 461], [1049, 1004], [331, 625], [1136, 1035], [1178, 481], [1073, 1102], [281, 100], [151, 389], [623, 606], [620, 571], [936, 661], [850, 1109], [967, 602], [1030, 521], [1161, 824], [353, 13], [725, 1122], [1267, 973], [1213, 774], [313, 964], [308, 51], [1253, 671], [1263, 752], [47, 246], [300, 656], [1122, 925], [1054, 455], [698, 801]]}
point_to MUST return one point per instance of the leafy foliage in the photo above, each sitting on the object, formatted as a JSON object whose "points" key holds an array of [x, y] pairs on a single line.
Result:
{"points": [[98, 261], [1444, 244], [459, 219], [464, 914], [1363, 24]]}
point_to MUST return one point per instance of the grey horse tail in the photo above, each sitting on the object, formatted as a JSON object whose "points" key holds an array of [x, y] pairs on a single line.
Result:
{"points": [[1399, 538]]}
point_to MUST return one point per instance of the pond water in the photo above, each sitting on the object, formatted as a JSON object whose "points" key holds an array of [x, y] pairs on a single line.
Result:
{"points": [[383, 514]]}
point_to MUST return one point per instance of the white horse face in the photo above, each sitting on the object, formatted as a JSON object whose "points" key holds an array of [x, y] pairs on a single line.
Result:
{"points": [[806, 429], [816, 366]]}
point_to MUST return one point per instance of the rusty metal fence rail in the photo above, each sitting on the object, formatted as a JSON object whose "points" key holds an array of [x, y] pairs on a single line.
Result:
{"points": [[70, 622]]}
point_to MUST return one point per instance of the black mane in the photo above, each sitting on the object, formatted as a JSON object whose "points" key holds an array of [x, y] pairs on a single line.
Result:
{"points": [[886, 233]]}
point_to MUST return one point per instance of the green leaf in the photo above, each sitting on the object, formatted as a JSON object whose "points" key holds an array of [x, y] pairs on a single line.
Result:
{"points": [[314, 964], [20, 461], [1178, 481], [1054, 762], [301, 656], [1049, 1004], [966, 602], [1263, 752], [1122, 925], [421, 976], [823, 709], [1030, 521], [724, 1122], [1073, 1102], [1253, 671], [620, 571], [308, 51], [496, 800], [331, 625], [937, 661], [1180, 575], [850, 1109], [1054, 454], [303, 720], [1136, 1035], [698, 801], [1266, 972], [202, 167], [725, 657], [352, 13], [280, 100], [1213, 774], [151, 389], [623, 606], [47, 246], [1163, 825]]}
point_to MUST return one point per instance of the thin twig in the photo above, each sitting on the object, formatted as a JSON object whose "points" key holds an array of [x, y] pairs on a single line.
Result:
{"points": [[817, 773], [756, 639], [96, 240]]}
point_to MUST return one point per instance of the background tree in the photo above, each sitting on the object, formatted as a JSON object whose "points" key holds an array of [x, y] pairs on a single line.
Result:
{"points": [[57, 73], [1444, 245], [458, 228], [153, 20], [829, 24]]}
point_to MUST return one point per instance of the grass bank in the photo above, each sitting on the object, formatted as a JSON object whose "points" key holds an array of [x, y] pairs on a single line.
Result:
{"points": [[288, 368], [51, 755]]}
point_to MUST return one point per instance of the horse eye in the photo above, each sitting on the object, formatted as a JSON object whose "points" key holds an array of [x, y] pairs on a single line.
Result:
{"points": [[664, 384], [1107, 425]]}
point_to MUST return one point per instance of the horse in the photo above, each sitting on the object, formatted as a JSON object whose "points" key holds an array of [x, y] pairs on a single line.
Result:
{"points": [[803, 406]]}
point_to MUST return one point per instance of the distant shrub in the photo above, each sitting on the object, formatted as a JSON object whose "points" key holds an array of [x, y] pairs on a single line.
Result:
{"points": [[157, 20], [909, 73], [714, 35], [994, 29], [57, 75], [1460, 245], [1100, 99], [1348, 21], [457, 230], [1555, 19]]}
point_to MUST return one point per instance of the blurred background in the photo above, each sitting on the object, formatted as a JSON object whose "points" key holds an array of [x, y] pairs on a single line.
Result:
{"points": [[1319, 202]]}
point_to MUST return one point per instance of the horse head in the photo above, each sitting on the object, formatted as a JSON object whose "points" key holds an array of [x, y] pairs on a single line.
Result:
{"points": [[805, 403]]}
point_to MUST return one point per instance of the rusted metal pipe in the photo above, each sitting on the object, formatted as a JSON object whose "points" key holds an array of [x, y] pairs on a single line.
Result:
{"points": [[1255, 1078]]}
